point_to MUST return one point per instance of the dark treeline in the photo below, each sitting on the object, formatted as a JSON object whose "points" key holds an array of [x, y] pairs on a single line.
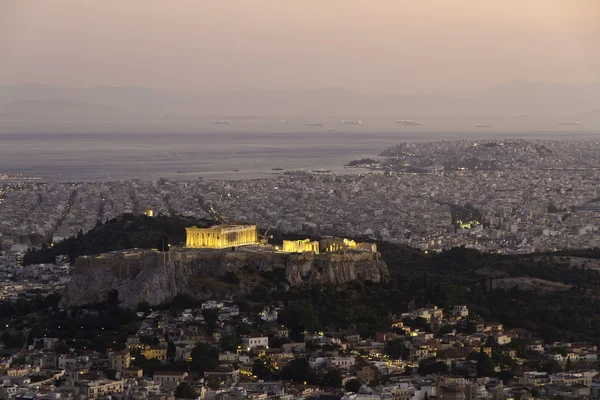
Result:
{"points": [[456, 276], [126, 232]]}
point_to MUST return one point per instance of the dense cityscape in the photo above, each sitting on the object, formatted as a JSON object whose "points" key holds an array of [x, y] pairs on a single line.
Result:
{"points": [[497, 197], [512, 196]]}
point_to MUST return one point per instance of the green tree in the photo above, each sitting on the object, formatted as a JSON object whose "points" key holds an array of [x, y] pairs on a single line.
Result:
{"points": [[299, 371], [569, 365], [204, 358], [260, 369], [211, 319], [230, 342], [353, 385], [185, 391], [151, 365], [396, 349], [551, 367], [445, 329], [432, 366], [485, 365], [332, 379], [13, 340]]}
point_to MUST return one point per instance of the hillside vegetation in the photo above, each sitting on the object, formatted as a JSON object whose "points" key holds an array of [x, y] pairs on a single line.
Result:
{"points": [[570, 311], [126, 232]]}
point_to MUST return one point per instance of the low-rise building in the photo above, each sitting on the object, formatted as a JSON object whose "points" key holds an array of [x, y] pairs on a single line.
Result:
{"points": [[254, 340]]}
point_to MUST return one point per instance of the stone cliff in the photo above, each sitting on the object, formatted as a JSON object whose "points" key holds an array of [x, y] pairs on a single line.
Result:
{"points": [[152, 277]]}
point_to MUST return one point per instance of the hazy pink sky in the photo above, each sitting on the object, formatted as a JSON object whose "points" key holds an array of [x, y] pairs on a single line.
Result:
{"points": [[372, 46]]}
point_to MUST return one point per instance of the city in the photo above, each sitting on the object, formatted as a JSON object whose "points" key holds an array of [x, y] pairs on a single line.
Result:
{"points": [[300, 200], [218, 349]]}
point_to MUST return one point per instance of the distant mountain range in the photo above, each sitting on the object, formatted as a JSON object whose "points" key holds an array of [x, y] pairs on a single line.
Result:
{"points": [[47, 107], [511, 99]]}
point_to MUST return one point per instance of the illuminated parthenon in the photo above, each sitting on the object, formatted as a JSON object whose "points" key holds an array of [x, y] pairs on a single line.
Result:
{"points": [[221, 236]]}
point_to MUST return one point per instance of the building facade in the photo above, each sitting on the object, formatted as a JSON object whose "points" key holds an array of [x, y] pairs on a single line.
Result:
{"points": [[301, 246], [119, 360], [221, 236], [331, 245], [254, 340]]}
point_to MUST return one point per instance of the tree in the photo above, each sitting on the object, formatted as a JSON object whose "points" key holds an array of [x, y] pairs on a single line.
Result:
{"points": [[332, 379], [299, 371], [353, 385], [211, 319], [445, 329], [485, 365], [505, 375], [552, 367], [277, 342], [151, 365], [432, 366], [569, 365], [260, 369], [185, 391], [13, 340], [396, 349], [231, 342], [204, 358]]}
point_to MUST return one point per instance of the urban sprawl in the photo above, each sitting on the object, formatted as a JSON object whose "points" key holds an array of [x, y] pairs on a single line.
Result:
{"points": [[510, 197]]}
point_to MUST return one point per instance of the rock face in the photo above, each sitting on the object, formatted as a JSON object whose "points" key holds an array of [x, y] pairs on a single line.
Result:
{"points": [[149, 276]]}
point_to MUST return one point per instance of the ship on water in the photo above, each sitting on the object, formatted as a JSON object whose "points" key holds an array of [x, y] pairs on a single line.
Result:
{"points": [[568, 123], [316, 125], [407, 122], [352, 122], [483, 126], [221, 122]]}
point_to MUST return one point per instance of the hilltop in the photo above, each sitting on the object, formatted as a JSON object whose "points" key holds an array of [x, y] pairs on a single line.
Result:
{"points": [[125, 232], [545, 293]]}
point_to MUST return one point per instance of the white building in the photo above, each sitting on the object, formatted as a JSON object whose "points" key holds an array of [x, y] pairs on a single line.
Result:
{"points": [[340, 362], [461, 311], [254, 340]]}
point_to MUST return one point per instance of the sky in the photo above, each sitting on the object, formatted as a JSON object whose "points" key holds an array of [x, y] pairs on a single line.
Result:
{"points": [[370, 46]]}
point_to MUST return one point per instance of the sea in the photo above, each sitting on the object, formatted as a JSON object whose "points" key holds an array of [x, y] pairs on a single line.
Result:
{"points": [[220, 152]]}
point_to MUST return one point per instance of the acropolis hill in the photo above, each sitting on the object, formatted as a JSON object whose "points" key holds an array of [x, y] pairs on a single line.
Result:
{"points": [[198, 269]]}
